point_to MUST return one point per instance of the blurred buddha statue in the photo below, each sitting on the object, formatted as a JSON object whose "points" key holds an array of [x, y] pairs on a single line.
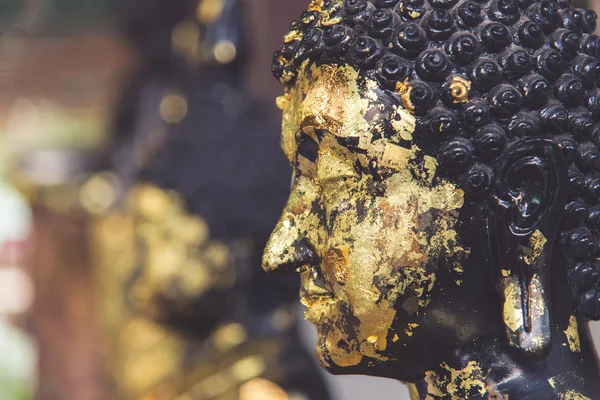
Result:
{"points": [[197, 184], [444, 216]]}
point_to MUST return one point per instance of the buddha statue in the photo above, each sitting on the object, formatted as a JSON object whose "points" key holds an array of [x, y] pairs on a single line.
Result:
{"points": [[198, 187], [444, 216]]}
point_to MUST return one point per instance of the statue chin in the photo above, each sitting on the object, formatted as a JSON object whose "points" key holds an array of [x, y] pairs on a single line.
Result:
{"points": [[347, 367]]}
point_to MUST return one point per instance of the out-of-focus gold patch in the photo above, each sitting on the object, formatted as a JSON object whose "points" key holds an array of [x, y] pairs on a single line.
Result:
{"points": [[262, 389], [209, 11], [229, 336], [156, 234]]}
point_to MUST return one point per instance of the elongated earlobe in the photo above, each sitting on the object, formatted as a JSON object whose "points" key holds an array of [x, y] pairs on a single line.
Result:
{"points": [[529, 199]]}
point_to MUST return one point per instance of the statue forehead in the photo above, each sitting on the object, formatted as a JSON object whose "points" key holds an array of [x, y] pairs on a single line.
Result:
{"points": [[336, 98], [325, 97]]}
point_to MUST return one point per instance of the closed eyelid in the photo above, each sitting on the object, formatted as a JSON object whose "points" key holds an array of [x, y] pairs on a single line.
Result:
{"points": [[330, 179]]}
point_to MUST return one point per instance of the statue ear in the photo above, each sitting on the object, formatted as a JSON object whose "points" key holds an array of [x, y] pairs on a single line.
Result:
{"points": [[531, 182]]}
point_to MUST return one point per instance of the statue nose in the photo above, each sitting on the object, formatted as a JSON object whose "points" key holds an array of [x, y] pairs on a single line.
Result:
{"points": [[287, 249]]}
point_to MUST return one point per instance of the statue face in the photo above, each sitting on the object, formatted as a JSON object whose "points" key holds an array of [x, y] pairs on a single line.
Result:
{"points": [[369, 224]]}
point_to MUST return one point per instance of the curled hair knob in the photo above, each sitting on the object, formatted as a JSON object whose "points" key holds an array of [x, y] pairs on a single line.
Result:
{"points": [[531, 34], [456, 155], [486, 72], [535, 89], [546, 14], [357, 11], [438, 24], [469, 14], [576, 213], [392, 69], [581, 124], [505, 11], [592, 187], [589, 304], [592, 103], [366, 52], [570, 90], [312, 42], [421, 97], [489, 141], [409, 39], [584, 276], [495, 37], [505, 100], [576, 182], [433, 65], [382, 23], [463, 48], [477, 179], [572, 18], [588, 156], [566, 42], [411, 9], [475, 114], [338, 40], [555, 119], [593, 221], [587, 69], [568, 145], [549, 63], [516, 63], [590, 45], [442, 123], [581, 244], [524, 124], [589, 21]]}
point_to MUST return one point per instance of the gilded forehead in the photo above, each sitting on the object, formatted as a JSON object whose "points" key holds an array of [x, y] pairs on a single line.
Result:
{"points": [[336, 98], [325, 97]]}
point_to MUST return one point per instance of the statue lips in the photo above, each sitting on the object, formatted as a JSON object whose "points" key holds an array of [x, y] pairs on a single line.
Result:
{"points": [[317, 299]]}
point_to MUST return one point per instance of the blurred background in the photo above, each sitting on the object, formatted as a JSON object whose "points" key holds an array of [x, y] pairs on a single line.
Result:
{"points": [[82, 84]]}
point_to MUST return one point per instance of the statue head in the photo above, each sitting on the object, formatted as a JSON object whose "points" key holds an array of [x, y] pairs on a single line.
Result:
{"points": [[198, 236], [446, 178]]}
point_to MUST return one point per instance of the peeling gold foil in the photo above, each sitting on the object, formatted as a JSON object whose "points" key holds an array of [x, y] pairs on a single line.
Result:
{"points": [[262, 389], [460, 88], [367, 241], [315, 5], [468, 380], [537, 243], [572, 333]]}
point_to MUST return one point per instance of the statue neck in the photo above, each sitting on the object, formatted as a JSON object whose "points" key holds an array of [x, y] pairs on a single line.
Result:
{"points": [[492, 371]]}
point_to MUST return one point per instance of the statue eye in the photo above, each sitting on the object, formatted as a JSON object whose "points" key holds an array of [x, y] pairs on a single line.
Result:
{"points": [[307, 146]]}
